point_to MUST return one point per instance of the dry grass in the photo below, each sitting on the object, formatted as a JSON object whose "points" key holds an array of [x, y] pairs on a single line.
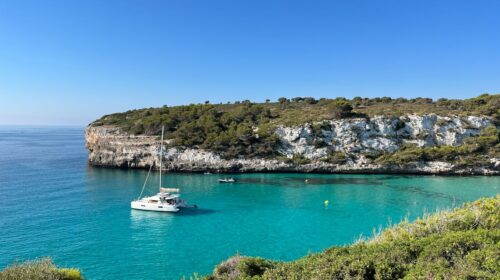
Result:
{"points": [[484, 213], [42, 269]]}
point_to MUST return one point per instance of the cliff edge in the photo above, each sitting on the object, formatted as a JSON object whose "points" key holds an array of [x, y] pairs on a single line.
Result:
{"points": [[412, 144]]}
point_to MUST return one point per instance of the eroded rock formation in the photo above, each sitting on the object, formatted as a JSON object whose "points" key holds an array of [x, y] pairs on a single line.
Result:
{"points": [[109, 146]]}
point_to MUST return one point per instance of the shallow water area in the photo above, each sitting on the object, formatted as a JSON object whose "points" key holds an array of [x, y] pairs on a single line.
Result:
{"points": [[55, 205]]}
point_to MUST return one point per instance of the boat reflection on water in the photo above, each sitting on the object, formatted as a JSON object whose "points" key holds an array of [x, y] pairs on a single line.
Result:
{"points": [[151, 218]]}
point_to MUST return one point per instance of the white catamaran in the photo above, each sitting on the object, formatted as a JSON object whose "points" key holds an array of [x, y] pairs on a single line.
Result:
{"points": [[167, 200]]}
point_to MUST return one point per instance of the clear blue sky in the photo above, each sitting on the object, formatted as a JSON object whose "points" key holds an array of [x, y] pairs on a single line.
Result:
{"points": [[69, 62]]}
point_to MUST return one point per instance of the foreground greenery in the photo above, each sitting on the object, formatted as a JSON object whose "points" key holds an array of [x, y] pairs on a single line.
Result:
{"points": [[459, 244], [42, 269], [247, 129]]}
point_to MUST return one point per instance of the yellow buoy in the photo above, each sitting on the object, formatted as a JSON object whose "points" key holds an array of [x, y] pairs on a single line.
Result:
{"points": [[326, 202]]}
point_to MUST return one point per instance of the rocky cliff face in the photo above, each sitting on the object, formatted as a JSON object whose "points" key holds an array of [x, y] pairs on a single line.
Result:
{"points": [[109, 146]]}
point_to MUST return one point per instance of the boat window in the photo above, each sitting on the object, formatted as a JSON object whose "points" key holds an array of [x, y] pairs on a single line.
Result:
{"points": [[143, 205], [160, 206]]}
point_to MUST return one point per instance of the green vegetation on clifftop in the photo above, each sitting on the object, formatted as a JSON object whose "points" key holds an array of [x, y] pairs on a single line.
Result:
{"points": [[459, 244], [247, 129], [214, 117]]}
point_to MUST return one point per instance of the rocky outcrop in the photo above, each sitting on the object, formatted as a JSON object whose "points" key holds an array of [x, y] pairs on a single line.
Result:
{"points": [[109, 146]]}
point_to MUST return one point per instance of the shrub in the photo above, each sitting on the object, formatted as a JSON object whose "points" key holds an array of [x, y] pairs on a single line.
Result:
{"points": [[317, 128], [70, 274], [399, 124], [310, 100], [299, 159], [406, 154], [374, 154], [241, 267], [421, 135], [249, 267], [228, 268], [442, 122], [336, 158], [43, 269], [452, 255], [340, 109]]}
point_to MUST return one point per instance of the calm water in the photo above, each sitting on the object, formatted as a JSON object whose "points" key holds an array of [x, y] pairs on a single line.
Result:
{"points": [[53, 204]]}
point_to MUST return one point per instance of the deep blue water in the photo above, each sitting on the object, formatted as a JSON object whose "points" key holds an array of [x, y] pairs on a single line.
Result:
{"points": [[53, 204]]}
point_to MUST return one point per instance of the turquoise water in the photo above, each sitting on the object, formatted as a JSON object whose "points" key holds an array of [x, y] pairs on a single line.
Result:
{"points": [[53, 204]]}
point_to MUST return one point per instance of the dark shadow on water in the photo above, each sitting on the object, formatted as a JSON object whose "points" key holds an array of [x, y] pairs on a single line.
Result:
{"points": [[258, 181], [393, 177], [421, 191], [310, 181], [195, 211], [337, 181]]}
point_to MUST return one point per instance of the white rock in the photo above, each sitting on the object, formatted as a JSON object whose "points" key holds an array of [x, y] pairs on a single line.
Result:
{"points": [[108, 146]]}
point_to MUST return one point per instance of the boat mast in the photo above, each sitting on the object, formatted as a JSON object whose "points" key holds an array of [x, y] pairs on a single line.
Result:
{"points": [[161, 152]]}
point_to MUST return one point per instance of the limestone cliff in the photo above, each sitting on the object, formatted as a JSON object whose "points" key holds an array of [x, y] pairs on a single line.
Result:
{"points": [[355, 138]]}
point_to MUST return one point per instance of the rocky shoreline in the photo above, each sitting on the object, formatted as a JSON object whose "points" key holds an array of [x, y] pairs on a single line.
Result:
{"points": [[110, 147]]}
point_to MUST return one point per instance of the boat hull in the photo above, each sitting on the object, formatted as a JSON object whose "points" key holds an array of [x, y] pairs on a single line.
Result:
{"points": [[157, 207]]}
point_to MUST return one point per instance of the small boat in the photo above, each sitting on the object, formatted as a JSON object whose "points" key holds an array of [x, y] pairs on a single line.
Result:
{"points": [[166, 200], [227, 180], [207, 173]]}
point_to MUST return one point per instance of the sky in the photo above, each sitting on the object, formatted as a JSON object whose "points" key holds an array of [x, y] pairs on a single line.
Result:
{"points": [[70, 62]]}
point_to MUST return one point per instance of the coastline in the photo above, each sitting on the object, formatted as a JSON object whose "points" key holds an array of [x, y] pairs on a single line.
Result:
{"points": [[110, 147], [298, 170], [242, 166]]}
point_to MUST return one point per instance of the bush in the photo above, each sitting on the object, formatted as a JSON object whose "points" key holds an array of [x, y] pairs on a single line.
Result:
{"points": [[336, 158], [242, 267], [399, 124], [454, 256], [249, 267], [70, 274], [406, 154], [43, 269], [228, 268], [340, 109], [299, 159]]}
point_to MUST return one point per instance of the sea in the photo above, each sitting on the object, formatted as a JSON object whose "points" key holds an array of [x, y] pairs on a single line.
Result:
{"points": [[53, 204]]}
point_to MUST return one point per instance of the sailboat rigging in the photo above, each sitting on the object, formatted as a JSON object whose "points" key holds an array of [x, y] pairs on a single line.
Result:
{"points": [[166, 200]]}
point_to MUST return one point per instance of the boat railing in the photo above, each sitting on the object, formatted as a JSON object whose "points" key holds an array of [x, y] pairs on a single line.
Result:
{"points": [[169, 190]]}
